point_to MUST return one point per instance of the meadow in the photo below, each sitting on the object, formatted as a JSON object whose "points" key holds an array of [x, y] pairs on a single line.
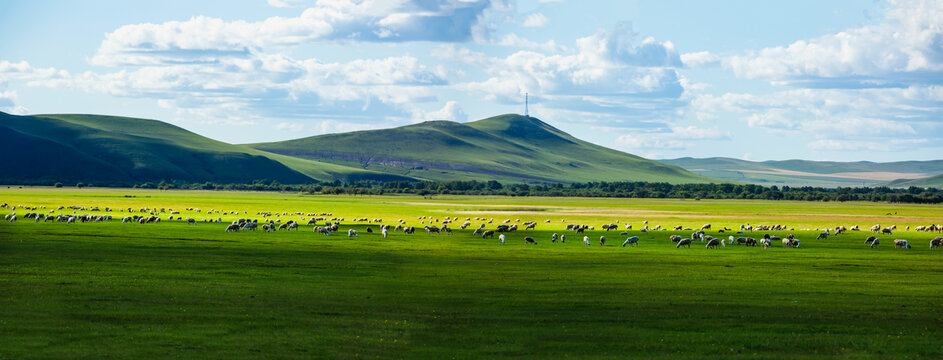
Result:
{"points": [[172, 290]]}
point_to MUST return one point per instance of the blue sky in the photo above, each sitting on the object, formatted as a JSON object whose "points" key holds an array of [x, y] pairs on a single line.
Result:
{"points": [[849, 80]]}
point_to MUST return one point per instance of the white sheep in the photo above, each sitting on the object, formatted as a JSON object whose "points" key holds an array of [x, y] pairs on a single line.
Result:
{"points": [[501, 237], [632, 240], [352, 233]]}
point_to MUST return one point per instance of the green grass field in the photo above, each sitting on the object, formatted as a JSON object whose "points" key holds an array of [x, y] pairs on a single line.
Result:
{"points": [[171, 290]]}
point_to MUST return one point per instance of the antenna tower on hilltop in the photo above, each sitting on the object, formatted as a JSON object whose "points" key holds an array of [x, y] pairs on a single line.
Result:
{"points": [[525, 106]]}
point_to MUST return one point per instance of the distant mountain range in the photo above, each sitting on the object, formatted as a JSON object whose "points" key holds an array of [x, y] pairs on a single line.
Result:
{"points": [[817, 173], [108, 150]]}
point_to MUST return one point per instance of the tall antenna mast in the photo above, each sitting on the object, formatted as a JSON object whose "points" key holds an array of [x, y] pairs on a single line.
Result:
{"points": [[525, 106]]}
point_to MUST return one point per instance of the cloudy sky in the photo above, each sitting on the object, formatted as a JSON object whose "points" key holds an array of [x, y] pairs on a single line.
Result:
{"points": [[820, 80]]}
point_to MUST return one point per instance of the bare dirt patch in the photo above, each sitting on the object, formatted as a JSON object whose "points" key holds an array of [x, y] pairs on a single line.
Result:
{"points": [[864, 175]]}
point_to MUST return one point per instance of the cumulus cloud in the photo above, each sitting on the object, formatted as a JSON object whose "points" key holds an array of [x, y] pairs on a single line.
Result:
{"points": [[700, 59], [677, 137], [204, 39], [285, 3], [290, 126], [451, 111], [606, 72], [906, 49], [536, 20]]}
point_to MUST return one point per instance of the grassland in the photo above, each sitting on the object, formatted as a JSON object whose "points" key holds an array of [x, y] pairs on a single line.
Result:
{"points": [[171, 290], [508, 148]]}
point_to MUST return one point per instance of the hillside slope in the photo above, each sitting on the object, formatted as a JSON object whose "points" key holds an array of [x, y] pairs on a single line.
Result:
{"points": [[119, 150], [808, 173], [507, 147], [932, 181]]}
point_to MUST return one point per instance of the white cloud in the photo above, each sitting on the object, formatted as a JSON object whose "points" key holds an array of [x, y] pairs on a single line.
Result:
{"points": [[9, 103], [289, 126], [285, 3], [204, 39], [676, 138], [906, 49], [451, 111], [536, 20], [700, 59], [514, 41]]}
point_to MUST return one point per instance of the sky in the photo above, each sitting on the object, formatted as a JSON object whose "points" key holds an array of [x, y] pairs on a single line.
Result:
{"points": [[757, 80]]}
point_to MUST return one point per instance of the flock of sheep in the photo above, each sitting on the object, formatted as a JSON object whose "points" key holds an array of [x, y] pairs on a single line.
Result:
{"points": [[324, 223]]}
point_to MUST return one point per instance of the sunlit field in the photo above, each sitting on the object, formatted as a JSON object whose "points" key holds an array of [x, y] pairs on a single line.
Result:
{"points": [[178, 290]]}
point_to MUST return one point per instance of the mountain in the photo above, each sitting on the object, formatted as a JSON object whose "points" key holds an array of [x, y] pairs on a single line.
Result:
{"points": [[118, 150], [932, 181], [809, 173], [510, 148]]}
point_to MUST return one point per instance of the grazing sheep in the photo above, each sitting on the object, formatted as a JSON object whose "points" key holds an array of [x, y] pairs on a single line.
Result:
{"points": [[766, 243], [602, 241], [886, 231], [352, 233], [384, 233], [706, 227], [232, 227], [823, 235], [553, 238], [901, 244], [501, 237], [869, 240], [586, 240], [530, 240], [936, 242], [684, 242], [713, 243], [488, 233], [749, 241], [562, 238], [875, 228], [875, 242], [632, 240], [675, 238]]}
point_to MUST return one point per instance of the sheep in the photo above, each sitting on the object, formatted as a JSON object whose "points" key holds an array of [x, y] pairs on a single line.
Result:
{"points": [[823, 235], [384, 233], [232, 227], [901, 244], [562, 238], [553, 238], [586, 240], [501, 237], [674, 238], [352, 233], [869, 240], [684, 242], [876, 228], [706, 227], [936, 242], [530, 240], [875, 242], [749, 241], [887, 230], [713, 243], [766, 243], [488, 233], [632, 240], [602, 241]]}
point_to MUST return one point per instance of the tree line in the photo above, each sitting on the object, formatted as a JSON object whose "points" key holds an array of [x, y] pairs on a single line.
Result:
{"points": [[912, 194]]}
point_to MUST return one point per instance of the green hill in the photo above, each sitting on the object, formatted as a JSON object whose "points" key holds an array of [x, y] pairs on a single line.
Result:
{"points": [[510, 148], [808, 173], [118, 150], [932, 181]]}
